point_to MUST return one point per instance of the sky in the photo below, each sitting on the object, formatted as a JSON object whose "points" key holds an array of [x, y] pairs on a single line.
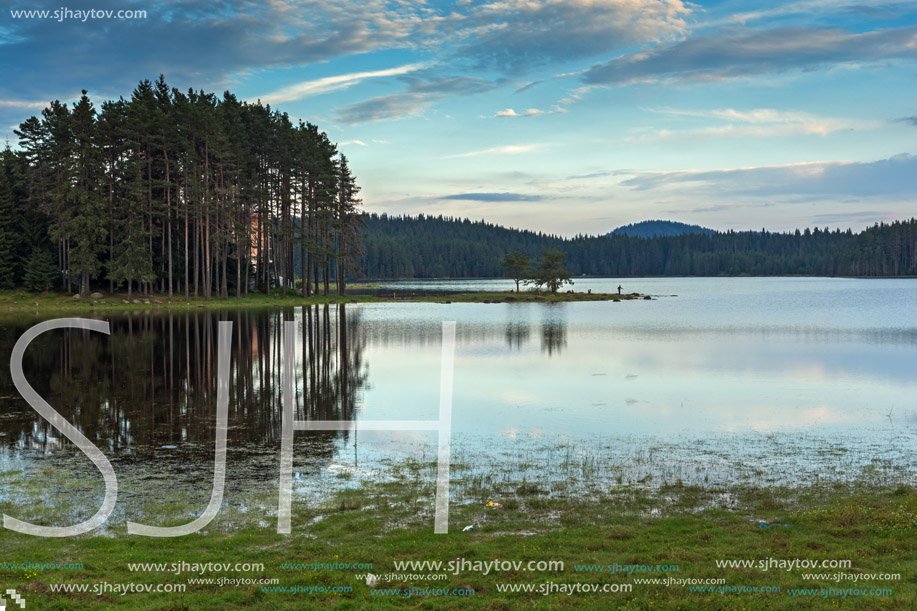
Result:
{"points": [[567, 117]]}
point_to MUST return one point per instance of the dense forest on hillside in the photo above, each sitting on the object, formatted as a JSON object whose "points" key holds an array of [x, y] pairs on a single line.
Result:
{"points": [[443, 247], [652, 229], [175, 192]]}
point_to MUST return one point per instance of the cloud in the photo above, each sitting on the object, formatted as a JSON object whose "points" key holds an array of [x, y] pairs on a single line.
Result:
{"points": [[206, 44], [396, 106], [528, 86], [332, 83], [738, 52], [509, 112], [910, 120], [718, 208], [896, 176], [21, 104], [881, 10], [518, 35], [844, 217], [454, 85], [495, 197], [591, 175], [198, 42], [531, 112], [217, 45], [755, 123], [509, 149], [357, 142], [419, 93]]}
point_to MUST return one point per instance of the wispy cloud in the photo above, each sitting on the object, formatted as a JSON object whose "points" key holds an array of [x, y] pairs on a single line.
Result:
{"points": [[450, 85], [356, 142], [895, 176], [509, 149], [531, 112], [495, 197], [509, 112], [517, 35], [21, 104], [592, 175], [738, 52], [333, 83], [878, 9], [910, 120], [528, 86], [846, 217], [396, 106], [421, 91], [718, 208], [755, 123]]}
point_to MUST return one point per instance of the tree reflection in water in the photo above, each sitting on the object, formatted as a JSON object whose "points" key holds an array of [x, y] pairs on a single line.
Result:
{"points": [[152, 381]]}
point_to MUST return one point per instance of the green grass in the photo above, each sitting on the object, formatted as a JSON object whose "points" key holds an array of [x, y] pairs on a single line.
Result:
{"points": [[23, 302], [392, 521]]}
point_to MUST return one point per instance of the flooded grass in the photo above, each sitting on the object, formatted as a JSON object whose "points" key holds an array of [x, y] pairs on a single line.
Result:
{"points": [[650, 480], [675, 524]]}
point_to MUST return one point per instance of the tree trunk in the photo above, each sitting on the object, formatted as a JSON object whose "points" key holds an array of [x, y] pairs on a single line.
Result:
{"points": [[148, 285], [197, 253], [169, 218], [208, 269]]}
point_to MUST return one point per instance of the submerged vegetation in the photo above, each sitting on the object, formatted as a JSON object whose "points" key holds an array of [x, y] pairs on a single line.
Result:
{"points": [[675, 531]]}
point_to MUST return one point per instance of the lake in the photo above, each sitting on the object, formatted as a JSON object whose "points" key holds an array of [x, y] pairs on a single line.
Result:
{"points": [[715, 382]]}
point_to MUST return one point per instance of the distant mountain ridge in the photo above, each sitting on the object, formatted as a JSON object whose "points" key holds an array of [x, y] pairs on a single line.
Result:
{"points": [[657, 228]]}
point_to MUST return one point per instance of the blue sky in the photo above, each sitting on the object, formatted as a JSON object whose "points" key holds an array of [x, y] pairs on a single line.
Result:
{"points": [[561, 116]]}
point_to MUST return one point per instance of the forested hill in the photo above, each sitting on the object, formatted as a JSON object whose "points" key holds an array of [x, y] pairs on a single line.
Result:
{"points": [[444, 247], [652, 229], [175, 192]]}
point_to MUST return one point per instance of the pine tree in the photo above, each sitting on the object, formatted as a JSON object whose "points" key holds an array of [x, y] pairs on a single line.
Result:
{"points": [[349, 223], [8, 233], [86, 224], [40, 271]]}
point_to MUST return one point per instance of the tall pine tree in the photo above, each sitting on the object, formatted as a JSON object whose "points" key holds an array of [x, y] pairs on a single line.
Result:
{"points": [[8, 233]]}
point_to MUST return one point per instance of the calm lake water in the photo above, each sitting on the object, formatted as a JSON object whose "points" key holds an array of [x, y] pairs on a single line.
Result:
{"points": [[776, 381]]}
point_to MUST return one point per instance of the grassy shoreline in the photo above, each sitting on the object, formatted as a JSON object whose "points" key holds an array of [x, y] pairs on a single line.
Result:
{"points": [[382, 523], [21, 301]]}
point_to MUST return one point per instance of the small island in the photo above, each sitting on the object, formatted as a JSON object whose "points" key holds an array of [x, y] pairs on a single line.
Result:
{"points": [[22, 301]]}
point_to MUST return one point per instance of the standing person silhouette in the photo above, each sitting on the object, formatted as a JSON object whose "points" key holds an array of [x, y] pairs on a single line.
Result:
{"points": [[619, 289]]}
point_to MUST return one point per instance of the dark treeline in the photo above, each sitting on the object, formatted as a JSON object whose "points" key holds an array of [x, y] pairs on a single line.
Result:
{"points": [[444, 247], [175, 192]]}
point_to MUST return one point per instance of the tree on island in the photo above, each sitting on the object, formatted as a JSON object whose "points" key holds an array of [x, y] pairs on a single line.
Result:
{"points": [[518, 266], [550, 272]]}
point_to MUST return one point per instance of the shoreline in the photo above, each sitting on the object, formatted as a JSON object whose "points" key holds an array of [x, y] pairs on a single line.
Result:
{"points": [[20, 301], [627, 538]]}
